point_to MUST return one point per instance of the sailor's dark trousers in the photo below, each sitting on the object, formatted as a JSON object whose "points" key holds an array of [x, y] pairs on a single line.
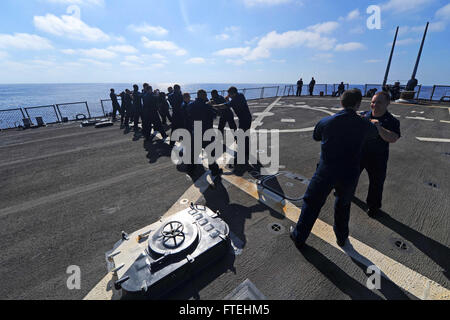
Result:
{"points": [[376, 167], [323, 182]]}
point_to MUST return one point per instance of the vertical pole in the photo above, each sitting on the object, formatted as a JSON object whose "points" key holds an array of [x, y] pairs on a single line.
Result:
{"points": [[365, 89], [59, 110], [87, 108], [418, 92], [390, 58], [23, 115], [262, 92], [26, 110], [103, 108], [56, 113], [432, 93], [278, 89], [420, 52]]}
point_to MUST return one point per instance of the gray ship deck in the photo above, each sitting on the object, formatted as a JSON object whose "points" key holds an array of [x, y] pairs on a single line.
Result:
{"points": [[67, 193]]}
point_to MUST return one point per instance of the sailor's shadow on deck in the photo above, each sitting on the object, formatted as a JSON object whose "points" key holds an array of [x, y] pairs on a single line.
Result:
{"points": [[233, 214], [436, 251], [337, 276], [157, 149]]}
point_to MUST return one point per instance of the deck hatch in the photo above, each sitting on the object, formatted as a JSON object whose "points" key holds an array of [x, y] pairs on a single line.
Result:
{"points": [[287, 185]]}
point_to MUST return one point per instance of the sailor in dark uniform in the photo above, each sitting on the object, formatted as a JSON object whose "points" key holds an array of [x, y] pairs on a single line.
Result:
{"points": [[239, 105], [341, 89], [163, 108], [176, 100], [342, 136], [311, 86], [226, 115], [137, 106], [150, 115], [115, 104], [128, 107], [185, 110], [299, 87], [122, 109], [376, 150], [199, 110]]}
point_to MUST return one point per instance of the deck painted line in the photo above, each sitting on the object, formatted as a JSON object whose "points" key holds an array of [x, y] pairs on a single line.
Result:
{"points": [[258, 120], [445, 121], [432, 139], [419, 118], [404, 277], [27, 205], [288, 120], [104, 290]]}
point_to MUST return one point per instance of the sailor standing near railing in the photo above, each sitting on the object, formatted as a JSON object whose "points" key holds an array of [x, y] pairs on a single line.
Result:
{"points": [[115, 104], [150, 116], [137, 106], [176, 100], [311, 86], [128, 108]]}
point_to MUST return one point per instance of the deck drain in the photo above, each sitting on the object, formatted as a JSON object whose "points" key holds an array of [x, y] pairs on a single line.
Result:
{"points": [[275, 228], [401, 245], [433, 185]]}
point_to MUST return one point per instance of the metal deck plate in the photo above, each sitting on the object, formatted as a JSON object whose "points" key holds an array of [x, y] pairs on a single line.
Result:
{"points": [[288, 185], [246, 291]]}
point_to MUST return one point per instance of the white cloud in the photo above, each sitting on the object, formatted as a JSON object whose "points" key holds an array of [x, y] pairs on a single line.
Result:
{"points": [[400, 6], [127, 49], [325, 27], [197, 60], [148, 29], [373, 61], [163, 45], [69, 26], [233, 52], [253, 3], [444, 13], [350, 46], [3, 55], [311, 37], [92, 53], [24, 41], [353, 15]]}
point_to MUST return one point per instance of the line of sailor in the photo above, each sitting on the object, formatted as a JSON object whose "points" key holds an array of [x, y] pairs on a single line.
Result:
{"points": [[350, 143]]}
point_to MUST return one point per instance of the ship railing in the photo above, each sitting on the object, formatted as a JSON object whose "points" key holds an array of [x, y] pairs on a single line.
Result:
{"points": [[11, 118], [62, 112], [320, 89], [47, 113]]}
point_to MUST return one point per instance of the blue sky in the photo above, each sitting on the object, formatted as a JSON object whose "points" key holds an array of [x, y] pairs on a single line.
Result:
{"points": [[219, 41]]}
